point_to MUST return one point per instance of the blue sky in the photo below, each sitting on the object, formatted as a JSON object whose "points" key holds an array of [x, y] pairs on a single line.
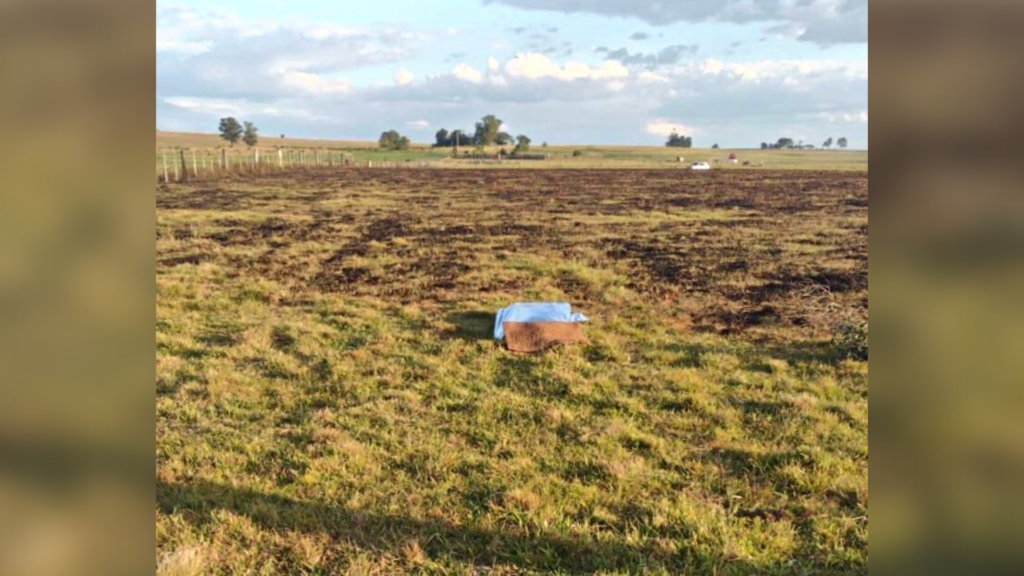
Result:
{"points": [[736, 73]]}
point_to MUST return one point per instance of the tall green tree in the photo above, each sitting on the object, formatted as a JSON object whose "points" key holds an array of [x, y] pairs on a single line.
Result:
{"points": [[842, 142], [249, 135], [392, 140], [677, 141], [230, 130], [442, 139], [828, 143], [522, 144], [487, 130]]}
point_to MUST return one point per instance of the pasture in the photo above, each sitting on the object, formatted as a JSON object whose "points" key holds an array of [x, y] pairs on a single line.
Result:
{"points": [[562, 156], [329, 399]]}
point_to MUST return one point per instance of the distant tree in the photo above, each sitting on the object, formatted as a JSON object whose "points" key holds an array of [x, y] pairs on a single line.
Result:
{"points": [[442, 139], [522, 144], [785, 143], [249, 135], [392, 140], [715, 147], [460, 138], [487, 130], [828, 143], [577, 153], [544, 145], [503, 139], [677, 141], [842, 142], [230, 130], [764, 145]]}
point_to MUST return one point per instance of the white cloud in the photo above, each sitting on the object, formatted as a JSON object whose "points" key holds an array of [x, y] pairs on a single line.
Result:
{"points": [[845, 117], [821, 21], [211, 64], [403, 77], [648, 76], [313, 83], [214, 53], [792, 70], [533, 66], [207, 105], [288, 113], [467, 73], [666, 127]]}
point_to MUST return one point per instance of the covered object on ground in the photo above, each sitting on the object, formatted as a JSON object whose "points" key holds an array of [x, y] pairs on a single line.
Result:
{"points": [[528, 337], [534, 312]]}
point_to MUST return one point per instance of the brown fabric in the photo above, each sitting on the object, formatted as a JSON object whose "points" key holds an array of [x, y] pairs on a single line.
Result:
{"points": [[526, 337]]}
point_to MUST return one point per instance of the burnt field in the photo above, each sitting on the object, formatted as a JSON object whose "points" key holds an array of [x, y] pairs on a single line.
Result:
{"points": [[329, 398], [733, 250]]}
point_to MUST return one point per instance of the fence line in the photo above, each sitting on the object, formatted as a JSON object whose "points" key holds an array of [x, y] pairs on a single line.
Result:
{"points": [[212, 163]]}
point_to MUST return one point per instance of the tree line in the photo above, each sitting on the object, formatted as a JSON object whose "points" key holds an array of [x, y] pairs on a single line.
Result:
{"points": [[789, 144], [677, 141], [487, 132], [232, 131]]}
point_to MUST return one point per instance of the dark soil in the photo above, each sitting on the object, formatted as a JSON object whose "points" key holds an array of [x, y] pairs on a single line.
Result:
{"points": [[748, 244]]}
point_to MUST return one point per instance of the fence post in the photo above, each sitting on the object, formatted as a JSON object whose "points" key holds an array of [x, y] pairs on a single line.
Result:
{"points": [[223, 159], [164, 155], [280, 158], [184, 167], [256, 158], [195, 169]]}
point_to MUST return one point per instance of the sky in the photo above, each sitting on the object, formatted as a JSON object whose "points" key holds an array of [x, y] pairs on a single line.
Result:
{"points": [[731, 72]]}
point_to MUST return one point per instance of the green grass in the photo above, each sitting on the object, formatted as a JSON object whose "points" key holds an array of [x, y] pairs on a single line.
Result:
{"points": [[373, 426]]}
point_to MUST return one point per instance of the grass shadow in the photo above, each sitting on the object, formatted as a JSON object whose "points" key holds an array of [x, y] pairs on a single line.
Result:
{"points": [[472, 326], [527, 549]]}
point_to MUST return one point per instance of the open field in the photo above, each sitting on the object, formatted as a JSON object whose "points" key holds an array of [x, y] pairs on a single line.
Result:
{"points": [[329, 399], [561, 156]]}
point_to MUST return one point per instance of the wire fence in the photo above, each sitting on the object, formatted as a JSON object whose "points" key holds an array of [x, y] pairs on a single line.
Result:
{"points": [[181, 165]]}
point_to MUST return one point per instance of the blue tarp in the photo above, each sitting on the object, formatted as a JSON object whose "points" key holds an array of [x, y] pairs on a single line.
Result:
{"points": [[535, 312]]}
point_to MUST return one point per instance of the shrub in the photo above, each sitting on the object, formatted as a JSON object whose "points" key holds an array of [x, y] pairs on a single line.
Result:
{"points": [[850, 339], [577, 153]]}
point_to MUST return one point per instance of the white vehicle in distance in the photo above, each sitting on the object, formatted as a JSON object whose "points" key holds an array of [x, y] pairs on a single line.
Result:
{"points": [[700, 166]]}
